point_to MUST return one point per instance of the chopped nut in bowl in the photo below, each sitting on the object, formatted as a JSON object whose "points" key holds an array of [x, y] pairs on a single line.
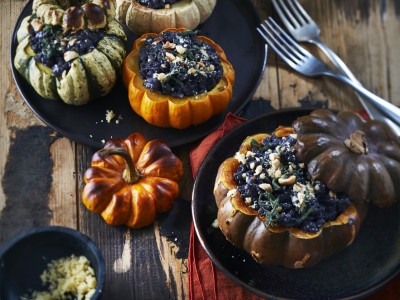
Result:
{"points": [[51, 263]]}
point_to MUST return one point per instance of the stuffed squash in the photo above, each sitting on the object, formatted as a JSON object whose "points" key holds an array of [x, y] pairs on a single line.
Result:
{"points": [[177, 79], [70, 51], [270, 206], [144, 16]]}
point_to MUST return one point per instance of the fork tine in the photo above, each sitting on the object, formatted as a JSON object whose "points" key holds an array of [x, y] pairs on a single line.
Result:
{"points": [[297, 13], [285, 14], [284, 41], [280, 45], [300, 9], [276, 46]]}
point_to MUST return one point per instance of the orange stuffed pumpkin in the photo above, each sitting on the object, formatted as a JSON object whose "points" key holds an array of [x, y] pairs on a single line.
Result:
{"points": [[166, 110], [132, 180]]}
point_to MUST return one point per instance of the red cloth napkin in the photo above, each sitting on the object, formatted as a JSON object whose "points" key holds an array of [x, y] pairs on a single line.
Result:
{"points": [[206, 282]]}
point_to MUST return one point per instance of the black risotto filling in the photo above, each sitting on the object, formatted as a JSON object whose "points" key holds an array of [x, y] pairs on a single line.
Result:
{"points": [[178, 64], [306, 204], [51, 42], [157, 4]]}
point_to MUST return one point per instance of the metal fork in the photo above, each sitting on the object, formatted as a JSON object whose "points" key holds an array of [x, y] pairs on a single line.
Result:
{"points": [[308, 65], [303, 28]]}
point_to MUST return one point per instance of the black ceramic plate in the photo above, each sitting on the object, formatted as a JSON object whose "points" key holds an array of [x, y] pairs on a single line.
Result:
{"points": [[369, 263], [232, 25]]}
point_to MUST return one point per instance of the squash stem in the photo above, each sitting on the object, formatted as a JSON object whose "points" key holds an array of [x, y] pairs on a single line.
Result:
{"points": [[131, 174], [357, 142]]}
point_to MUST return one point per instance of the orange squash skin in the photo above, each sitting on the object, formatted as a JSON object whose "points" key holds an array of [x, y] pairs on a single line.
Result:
{"points": [[135, 204], [288, 247], [167, 111]]}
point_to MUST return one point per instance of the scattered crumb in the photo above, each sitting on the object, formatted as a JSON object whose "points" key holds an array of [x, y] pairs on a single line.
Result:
{"points": [[118, 120], [109, 115]]}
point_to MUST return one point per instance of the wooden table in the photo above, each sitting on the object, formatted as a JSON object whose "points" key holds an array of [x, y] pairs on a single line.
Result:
{"points": [[41, 172]]}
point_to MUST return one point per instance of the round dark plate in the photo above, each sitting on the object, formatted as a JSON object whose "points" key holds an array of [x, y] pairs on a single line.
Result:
{"points": [[368, 264], [232, 25]]}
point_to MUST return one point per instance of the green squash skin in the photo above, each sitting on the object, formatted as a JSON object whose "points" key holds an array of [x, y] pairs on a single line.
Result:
{"points": [[91, 76], [23, 32], [113, 49], [100, 73], [22, 58], [44, 83], [77, 89]]}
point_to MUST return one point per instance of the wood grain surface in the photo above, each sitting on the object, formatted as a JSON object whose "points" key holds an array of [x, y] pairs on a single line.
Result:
{"points": [[42, 172]]}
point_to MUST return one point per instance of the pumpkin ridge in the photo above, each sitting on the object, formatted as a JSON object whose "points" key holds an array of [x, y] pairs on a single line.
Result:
{"points": [[106, 49]]}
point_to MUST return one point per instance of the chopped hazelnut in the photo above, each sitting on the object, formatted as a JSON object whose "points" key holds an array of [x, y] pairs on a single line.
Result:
{"points": [[70, 55], [169, 56], [168, 45], [287, 181]]}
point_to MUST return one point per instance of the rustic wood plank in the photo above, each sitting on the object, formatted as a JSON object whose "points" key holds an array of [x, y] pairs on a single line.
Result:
{"points": [[8, 92], [63, 192]]}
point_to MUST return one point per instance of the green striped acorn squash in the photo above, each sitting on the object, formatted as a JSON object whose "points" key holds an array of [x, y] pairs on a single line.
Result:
{"points": [[91, 74]]}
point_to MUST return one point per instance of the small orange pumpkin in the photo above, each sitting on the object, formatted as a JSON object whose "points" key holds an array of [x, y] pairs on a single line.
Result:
{"points": [[167, 111], [132, 180]]}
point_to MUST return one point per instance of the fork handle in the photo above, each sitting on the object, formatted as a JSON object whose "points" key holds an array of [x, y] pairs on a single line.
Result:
{"points": [[338, 62], [386, 108]]}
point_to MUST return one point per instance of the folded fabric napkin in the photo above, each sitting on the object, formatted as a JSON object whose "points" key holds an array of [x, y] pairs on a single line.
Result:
{"points": [[205, 280]]}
